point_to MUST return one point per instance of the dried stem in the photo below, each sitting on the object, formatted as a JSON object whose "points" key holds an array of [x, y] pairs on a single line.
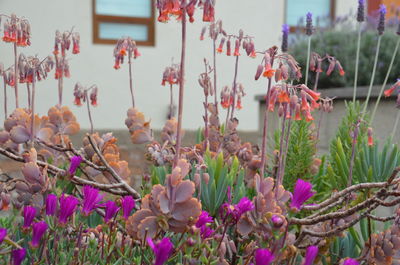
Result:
{"points": [[234, 86], [89, 113], [215, 75], [357, 62], [16, 75], [33, 107], [181, 85], [5, 97], [130, 76], [171, 102], [28, 89], [373, 74], [386, 79], [280, 159]]}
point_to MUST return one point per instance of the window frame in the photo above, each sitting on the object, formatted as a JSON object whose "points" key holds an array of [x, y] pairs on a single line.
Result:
{"points": [[332, 13], [148, 22]]}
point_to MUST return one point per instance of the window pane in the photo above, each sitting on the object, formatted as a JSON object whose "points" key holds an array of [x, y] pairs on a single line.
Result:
{"points": [[114, 31], [297, 10], [124, 8]]}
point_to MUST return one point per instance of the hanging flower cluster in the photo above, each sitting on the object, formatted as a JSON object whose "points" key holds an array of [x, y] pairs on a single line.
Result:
{"points": [[391, 90], [316, 64], [227, 96], [31, 68], [171, 75], [17, 30], [62, 42], [236, 42], [288, 68], [125, 47], [169, 8], [82, 94]]}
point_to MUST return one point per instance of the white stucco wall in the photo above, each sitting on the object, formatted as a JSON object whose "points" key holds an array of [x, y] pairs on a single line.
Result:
{"points": [[94, 65]]}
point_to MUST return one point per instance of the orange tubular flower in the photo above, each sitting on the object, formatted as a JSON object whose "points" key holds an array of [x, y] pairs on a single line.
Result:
{"points": [[283, 97], [239, 104], [342, 72], [313, 94], [268, 71], [370, 138], [297, 116], [237, 45], [314, 104], [308, 116], [122, 52], [389, 91]]}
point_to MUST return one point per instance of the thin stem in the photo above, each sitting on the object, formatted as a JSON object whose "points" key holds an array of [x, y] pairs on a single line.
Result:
{"points": [[206, 122], [171, 102], [61, 81], [215, 76], [181, 84], [285, 152], [28, 89], [353, 152], [280, 160], [33, 107], [373, 73], [89, 113], [396, 123], [234, 86], [308, 59], [130, 77], [386, 79], [228, 111], [16, 75], [317, 76], [5, 97], [357, 61]]}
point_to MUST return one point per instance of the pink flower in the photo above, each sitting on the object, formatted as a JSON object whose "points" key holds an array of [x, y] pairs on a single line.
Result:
{"points": [[51, 204], [311, 254], [75, 161], [263, 256], [206, 232], [91, 198], [18, 255], [236, 211], [38, 230], [302, 192], [350, 261], [29, 214], [111, 210], [128, 203], [67, 207], [204, 219], [162, 250], [3, 234]]}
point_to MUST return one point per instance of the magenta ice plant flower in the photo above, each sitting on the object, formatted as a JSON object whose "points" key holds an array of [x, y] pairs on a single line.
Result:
{"points": [[206, 232], [111, 209], [127, 203], [311, 254], [350, 261], [91, 199], [75, 162], [204, 219], [18, 255], [263, 256], [68, 205], [162, 250], [302, 192], [237, 210], [29, 215], [3, 234], [51, 204], [39, 229]]}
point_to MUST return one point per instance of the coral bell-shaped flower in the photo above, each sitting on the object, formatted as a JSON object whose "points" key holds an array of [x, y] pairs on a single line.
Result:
{"points": [[311, 254], [370, 138], [127, 203], [237, 46], [204, 219], [75, 162], [309, 25], [18, 255], [360, 11], [3, 234], [263, 256], [91, 199], [350, 261], [29, 215], [221, 45], [38, 231], [228, 47], [381, 23], [51, 204], [302, 192], [390, 91], [67, 208], [268, 71], [162, 250], [111, 210]]}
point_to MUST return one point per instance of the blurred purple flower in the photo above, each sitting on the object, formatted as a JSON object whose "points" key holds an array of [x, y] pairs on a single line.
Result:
{"points": [[67, 207], [51, 204], [309, 26], [39, 229], [277, 221], [18, 255], [360, 11], [263, 256], [302, 192], [311, 254], [206, 232], [162, 250], [285, 35], [350, 261], [3, 234], [29, 215], [111, 210], [75, 162], [381, 24], [204, 219], [91, 199], [128, 203], [236, 211]]}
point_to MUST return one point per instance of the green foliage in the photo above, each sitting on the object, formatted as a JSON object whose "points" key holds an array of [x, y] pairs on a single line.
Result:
{"points": [[343, 44], [300, 155]]}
